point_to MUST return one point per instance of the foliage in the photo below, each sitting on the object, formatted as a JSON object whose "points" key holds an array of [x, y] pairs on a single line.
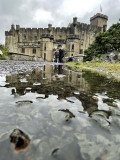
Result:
{"points": [[5, 53], [105, 42]]}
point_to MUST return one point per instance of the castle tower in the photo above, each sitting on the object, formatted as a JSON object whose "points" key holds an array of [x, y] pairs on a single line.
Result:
{"points": [[99, 20], [11, 39], [47, 47], [72, 45]]}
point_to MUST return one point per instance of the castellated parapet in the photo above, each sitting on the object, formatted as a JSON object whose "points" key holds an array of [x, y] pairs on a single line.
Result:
{"points": [[41, 42]]}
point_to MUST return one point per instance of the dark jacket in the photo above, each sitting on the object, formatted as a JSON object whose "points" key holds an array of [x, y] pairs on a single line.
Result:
{"points": [[61, 53], [56, 54]]}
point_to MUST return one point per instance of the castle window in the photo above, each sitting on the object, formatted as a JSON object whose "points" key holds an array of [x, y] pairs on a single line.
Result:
{"points": [[94, 34], [34, 50], [23, 50], [82, 41], [59, 46], [60, 34], [44, 56], [35, 37], [81, 51], [83, 32], [71, 54], [72, 46], [35, 34], [45, 47], [44, 68], [24, 34]]}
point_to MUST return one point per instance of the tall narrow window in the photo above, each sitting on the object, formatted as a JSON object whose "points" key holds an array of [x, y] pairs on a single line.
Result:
{"points": [[94, 34], [60, 34], [44, 56], [35, 34], [34, 50], [83, 32], [81, 51], [24, 34], [35, 37], [45, 47], [82, 41], [24, 37], [72, 46]]}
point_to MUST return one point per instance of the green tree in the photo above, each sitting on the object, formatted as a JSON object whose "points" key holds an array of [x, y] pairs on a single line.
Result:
{"points": [[105, 42]]}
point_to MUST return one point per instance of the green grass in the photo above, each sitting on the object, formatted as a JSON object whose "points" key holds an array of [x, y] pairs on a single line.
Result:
{"points": [[107, 69]]}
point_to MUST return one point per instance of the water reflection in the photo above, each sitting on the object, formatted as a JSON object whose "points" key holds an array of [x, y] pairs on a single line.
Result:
{"points": [[68, 115]]}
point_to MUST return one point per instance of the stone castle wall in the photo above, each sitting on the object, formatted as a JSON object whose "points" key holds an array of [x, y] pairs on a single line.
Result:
{"points": [[41, 42]]}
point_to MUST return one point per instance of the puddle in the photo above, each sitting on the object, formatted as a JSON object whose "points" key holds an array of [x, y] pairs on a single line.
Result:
{"points": [[66, 115]]}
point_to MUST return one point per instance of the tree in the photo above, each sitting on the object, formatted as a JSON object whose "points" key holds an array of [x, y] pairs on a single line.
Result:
{"points": [[105, 42]]}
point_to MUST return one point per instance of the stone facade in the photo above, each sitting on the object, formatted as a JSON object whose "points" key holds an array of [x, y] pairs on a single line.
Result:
{"points": [[42, 42]]}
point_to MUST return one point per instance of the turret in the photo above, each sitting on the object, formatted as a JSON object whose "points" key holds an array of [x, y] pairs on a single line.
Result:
{"points": [[99, 20], [74, 21], [12, 27], [17, 27], [49, 28]]}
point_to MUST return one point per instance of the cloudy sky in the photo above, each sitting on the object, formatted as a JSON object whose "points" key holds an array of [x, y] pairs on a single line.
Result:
{"points": [[38, 13]]}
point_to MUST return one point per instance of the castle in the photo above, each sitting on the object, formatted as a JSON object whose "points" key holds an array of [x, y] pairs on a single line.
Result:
{"points": [[42, 42]]}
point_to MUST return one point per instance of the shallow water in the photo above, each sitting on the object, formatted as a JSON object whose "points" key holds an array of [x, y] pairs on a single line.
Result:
{"points": [[68, 115]]}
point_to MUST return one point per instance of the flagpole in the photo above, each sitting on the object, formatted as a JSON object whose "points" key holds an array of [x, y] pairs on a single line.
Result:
{"points": [[100, 8]]}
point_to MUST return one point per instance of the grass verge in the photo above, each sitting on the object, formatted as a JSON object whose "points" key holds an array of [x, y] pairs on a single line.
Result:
{"points": [[107, 69]]}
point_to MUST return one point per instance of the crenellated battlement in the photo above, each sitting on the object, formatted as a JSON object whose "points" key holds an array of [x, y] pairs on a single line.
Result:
{"points": [[99, 15]]}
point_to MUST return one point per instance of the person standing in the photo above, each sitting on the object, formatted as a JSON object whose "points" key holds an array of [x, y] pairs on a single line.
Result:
{"points": [[56, 56], [61, 55]]}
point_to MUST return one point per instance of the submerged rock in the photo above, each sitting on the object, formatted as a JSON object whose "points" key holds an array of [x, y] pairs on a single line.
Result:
{"points": [[95, 98], [54, 151], [24, 102], [102, 113], [69, 114], [110, 102], [20, 139], [101, 117]]}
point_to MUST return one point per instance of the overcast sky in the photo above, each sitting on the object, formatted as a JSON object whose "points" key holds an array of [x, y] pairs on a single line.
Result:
{"points": [[39, 13]]}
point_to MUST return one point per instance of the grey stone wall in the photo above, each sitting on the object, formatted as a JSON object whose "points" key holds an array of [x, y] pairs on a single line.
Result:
{"points": [[23, 57]]}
